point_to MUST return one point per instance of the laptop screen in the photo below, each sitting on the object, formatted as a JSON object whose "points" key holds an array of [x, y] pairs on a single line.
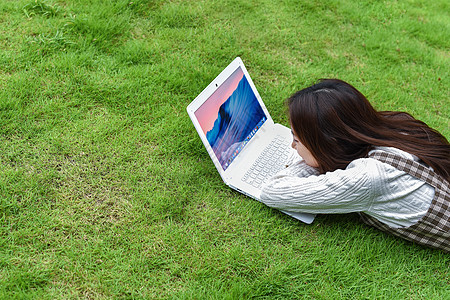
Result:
{"points": [[230, 117]]}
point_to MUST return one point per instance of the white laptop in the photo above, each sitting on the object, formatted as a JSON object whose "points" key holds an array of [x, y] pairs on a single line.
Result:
{"points": [[244, 143]]}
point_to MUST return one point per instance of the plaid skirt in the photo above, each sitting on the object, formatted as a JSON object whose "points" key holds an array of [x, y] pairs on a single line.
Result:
{"points": [[433, 229]]}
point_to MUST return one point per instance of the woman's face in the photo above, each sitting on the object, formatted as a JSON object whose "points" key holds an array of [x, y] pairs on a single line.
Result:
{"points": [[303, 151]]}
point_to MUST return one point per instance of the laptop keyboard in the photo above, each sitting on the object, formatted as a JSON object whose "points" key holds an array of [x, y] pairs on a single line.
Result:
{"points": [[269, 162]]}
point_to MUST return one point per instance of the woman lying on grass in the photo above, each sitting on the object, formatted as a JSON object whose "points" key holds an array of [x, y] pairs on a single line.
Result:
{"points": [[391, 168]]}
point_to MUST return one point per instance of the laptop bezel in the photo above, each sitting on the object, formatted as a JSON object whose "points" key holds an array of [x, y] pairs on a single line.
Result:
{"points": [[208, 91]]}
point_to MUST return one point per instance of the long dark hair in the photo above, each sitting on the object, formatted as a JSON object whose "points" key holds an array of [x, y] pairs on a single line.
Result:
{"points": [[337, 124]]}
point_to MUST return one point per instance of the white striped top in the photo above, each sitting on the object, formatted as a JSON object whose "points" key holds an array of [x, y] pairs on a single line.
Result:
{"points": [[366, 185]]}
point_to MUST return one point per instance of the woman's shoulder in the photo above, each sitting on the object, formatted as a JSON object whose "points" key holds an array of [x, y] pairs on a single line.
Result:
{"points": [[383, 173], [378, 169], [395, 151]]}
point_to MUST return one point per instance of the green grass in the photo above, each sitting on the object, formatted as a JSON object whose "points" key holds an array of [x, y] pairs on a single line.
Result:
{"points": [[106, 190]]}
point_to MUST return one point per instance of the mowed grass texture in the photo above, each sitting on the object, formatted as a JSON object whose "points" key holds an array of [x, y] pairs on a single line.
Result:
{"points": [[107, 192]]}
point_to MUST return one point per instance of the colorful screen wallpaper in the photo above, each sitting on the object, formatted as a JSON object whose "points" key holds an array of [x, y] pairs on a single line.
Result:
{"points": [[230, 117]]}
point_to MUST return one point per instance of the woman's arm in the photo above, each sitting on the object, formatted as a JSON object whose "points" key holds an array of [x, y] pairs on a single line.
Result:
{"points": [[299, 188]]}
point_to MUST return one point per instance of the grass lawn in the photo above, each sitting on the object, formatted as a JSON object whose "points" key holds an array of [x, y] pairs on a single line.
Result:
{"points": [[106, 190]]}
